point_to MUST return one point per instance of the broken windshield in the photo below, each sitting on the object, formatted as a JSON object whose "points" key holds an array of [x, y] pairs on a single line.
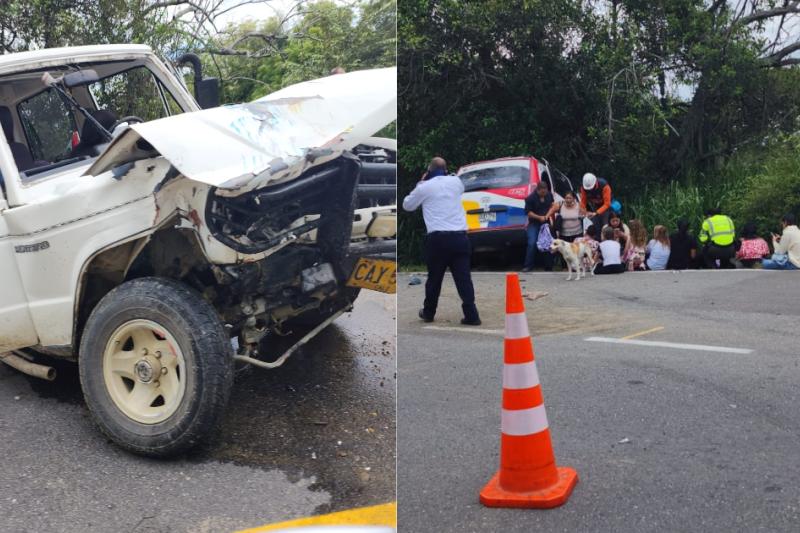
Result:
{"points": [[502, 177]]}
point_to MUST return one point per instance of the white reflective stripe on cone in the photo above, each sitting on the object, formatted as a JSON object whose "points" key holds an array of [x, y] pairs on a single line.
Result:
{"points": [[521, 422], [516, 326], [520, 375]]}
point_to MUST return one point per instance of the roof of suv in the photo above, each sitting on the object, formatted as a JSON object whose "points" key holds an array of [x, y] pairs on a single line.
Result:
{"points": [[73, 54]]}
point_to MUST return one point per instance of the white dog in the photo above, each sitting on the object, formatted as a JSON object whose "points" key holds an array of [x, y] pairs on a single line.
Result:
{"points": [[574, 254]]}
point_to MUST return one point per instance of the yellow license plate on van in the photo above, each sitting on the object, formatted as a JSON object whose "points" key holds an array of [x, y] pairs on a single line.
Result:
{"points": [[375, 274]]}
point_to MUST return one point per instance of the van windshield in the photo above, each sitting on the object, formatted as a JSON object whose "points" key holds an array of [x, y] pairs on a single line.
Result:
{"points": [[495, 177]]}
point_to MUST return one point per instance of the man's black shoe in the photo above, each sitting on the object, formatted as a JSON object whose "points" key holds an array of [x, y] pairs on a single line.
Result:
{"points": [[424, 317], [526, 269], [475, 322]]}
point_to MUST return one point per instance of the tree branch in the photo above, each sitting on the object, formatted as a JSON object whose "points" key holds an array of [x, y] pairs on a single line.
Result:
{"points": [[755, 16], [779, 57]]}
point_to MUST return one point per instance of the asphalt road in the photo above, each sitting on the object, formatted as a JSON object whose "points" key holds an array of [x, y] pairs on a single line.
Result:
{"points": [[663, 439], [316, 435]]}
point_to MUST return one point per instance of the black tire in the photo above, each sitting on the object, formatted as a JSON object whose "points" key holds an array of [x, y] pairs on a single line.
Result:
{"points": [[208, 369]]}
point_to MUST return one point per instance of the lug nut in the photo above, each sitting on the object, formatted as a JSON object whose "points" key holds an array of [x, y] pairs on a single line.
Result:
{"points": [[157, 383], [163, 371], [158, 354], [144, 351]]}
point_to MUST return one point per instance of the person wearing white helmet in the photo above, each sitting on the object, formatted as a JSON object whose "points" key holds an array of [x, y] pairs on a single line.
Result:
{"points": [[596, 199]]}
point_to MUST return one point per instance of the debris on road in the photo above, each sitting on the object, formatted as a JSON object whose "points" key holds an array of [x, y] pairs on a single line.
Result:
{"points": [[535, 295]]}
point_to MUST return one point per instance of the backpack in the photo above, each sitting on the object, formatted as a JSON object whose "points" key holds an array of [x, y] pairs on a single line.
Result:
{"points": [[545, 239]]}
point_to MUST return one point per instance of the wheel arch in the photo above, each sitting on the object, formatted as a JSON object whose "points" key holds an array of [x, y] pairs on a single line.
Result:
{"points": [[125, 260]]}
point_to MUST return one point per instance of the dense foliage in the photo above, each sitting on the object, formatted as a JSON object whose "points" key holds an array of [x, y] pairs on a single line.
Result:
{"points": [[665, 99], [252, 57]]}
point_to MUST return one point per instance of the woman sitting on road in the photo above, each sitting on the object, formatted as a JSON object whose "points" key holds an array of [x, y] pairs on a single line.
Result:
{"points": [[786, 246], [615, 221], [569, 222], [610, 252], [658, 249], [635, 254], [751, 248]]}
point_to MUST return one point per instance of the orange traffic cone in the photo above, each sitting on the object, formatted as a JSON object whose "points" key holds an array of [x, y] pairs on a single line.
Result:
{"points": [[528, 475]]}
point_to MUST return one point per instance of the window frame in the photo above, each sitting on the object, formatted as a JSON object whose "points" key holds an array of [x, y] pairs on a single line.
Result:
{"points": [[70, 113], [159, 87]]}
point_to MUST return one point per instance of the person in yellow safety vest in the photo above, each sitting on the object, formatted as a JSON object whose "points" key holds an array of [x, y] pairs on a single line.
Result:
{"points": [[717, 237]]}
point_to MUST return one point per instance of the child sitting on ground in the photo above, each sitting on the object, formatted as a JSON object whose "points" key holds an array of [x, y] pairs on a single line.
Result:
{"points": [[635, 254], [610, 251], [658, 249], [752, 248]]}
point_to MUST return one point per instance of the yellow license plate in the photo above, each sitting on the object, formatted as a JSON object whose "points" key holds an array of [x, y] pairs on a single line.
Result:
{"points": [[375, 274]]}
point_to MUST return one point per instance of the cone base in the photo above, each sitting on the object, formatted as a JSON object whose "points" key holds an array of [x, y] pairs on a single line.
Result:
{"points": [[493, 495]]}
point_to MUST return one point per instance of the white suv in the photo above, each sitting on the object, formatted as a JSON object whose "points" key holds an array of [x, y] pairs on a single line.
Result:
{"points": [[145, 238]]}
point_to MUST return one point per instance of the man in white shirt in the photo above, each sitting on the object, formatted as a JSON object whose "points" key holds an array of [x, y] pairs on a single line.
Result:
{"points": [[446, 244], [786, 246]]}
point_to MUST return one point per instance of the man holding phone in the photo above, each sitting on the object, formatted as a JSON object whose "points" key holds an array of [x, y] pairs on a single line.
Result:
{"points": [[446, 242]]}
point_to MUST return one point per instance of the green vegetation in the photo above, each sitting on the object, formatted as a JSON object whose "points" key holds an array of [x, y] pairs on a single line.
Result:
{"points": [[252, 58], [681, 104], [758, 185]]}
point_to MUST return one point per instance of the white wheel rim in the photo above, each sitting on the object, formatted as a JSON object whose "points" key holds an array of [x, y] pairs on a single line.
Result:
{"points": [[144, 371]]}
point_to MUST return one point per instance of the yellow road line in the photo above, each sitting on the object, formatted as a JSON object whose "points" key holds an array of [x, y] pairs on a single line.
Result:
{"points": [[645, 332], [377, 515]]}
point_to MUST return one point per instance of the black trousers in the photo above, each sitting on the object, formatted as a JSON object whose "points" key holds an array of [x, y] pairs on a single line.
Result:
{"points": [[712, 252], [609, 269], [451, 250]]}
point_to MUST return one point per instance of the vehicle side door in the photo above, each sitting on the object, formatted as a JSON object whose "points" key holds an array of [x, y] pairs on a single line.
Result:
{"points": [[16, 325]]}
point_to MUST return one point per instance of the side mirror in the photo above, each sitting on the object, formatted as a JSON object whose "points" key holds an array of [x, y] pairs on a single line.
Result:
{"points": [[80, 77], [207, 92]]}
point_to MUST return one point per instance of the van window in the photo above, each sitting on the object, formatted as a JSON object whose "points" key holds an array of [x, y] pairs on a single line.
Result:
{"points": [[48, 126], [495, 178], [134, 92]]}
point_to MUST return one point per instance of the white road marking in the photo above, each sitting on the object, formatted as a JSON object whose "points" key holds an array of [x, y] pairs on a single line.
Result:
{"points": [[467, 329], [676, 345]]}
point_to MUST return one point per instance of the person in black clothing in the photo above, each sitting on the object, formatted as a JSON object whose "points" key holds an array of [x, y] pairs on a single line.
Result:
{"points": [[446, 243], [682, 248], [539, 207]]}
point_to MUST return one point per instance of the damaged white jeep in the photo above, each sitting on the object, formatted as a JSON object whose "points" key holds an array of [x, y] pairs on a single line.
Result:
{"points": [[156, 244]]}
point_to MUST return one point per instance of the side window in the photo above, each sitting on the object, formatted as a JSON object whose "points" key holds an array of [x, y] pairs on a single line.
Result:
{"points": [[174, 108], [48, 126], [134, 92]]}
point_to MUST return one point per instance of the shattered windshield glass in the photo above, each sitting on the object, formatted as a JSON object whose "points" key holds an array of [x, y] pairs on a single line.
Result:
{"points": [[495, 178]]}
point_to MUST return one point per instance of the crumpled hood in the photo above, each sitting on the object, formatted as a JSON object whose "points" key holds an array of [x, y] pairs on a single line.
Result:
{"points": [[245, 146]]}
